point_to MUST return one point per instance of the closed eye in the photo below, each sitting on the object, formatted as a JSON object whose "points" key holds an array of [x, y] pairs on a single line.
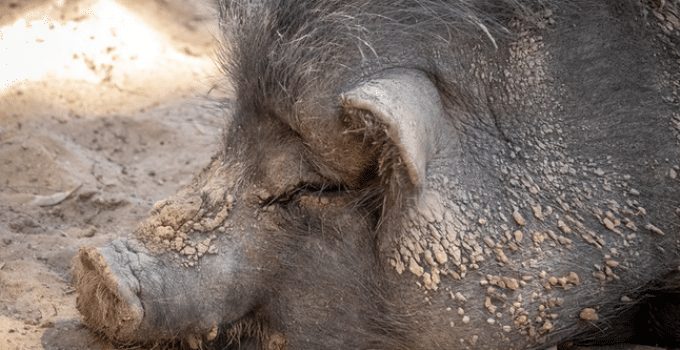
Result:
{"points": [[306, 189]]}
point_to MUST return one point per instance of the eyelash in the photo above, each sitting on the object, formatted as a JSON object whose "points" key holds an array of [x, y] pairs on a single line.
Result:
{"points": [[303, 189]]}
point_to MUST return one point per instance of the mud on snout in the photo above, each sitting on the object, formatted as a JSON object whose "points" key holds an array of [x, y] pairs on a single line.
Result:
{"points": [[108, 299]]}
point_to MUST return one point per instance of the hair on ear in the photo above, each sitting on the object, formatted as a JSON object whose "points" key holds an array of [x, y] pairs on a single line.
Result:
{"points": [[403, 105]]}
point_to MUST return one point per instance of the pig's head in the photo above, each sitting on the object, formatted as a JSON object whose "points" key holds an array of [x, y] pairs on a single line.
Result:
{"points": [[366, 141], [279, 233]]}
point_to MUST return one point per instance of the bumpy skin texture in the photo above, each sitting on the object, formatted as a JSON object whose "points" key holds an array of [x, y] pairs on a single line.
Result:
{"points": [[546, 210]]}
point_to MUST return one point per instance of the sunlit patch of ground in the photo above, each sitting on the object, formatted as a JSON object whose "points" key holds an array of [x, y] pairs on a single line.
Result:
{"points": [[90, 54], [101, 114]]}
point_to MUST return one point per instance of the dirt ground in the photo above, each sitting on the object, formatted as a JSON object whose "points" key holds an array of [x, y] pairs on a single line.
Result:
{"points": [[103, 111]]}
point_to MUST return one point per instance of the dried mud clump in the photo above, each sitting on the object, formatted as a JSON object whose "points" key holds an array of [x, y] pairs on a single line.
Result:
{"points": [[187, 224], [588, 314]]}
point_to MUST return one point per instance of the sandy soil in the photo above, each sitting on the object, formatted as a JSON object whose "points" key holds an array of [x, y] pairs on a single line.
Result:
{"points": [[102, 113]]}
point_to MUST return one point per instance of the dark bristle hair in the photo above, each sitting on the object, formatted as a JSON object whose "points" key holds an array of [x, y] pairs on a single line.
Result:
{"points": [[279, 52]]}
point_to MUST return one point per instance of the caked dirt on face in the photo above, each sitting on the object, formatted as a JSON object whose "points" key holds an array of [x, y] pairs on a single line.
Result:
{"points": [[100, 117]]}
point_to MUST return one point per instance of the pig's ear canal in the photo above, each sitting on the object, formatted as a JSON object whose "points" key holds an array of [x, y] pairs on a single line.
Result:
{"points": [[405, 107]]}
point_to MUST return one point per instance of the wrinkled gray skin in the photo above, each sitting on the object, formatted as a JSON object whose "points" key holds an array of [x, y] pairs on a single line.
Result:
{"points": [[420, 175]]}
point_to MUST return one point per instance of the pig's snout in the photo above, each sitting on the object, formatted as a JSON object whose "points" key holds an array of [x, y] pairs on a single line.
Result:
{"points": [[108, 290]]}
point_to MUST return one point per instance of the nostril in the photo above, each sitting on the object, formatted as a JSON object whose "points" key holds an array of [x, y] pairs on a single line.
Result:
{"points": [[104, 299]]}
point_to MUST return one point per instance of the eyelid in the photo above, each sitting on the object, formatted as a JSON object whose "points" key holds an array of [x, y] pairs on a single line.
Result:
{"points": [[301, 189]]}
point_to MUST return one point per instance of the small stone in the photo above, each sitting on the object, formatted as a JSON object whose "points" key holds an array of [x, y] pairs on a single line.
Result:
{"points": [[626, 299], [466, 319], [491, 320], [507, 329], [673, 174], [461, 311], [552, 280], [634, 192], [588, 314]]}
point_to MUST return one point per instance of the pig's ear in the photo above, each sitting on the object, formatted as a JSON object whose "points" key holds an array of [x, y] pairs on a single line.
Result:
{"points": [[407, 105]]}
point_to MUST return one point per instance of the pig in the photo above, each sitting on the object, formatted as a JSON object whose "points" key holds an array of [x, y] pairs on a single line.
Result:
{"points": [[483, 174]]}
